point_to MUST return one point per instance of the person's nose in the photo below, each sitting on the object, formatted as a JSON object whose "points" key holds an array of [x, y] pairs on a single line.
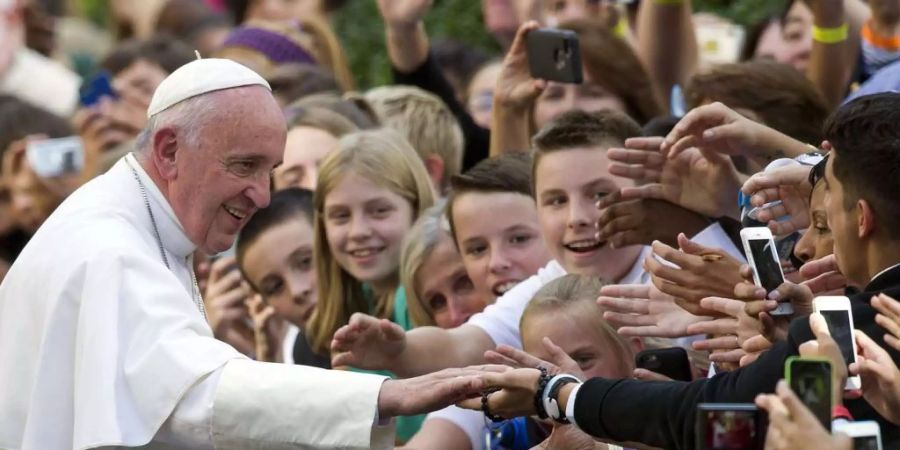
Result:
{"points": [[499, 262], [459, 313], [260, 193], [360, 229], [579, 215]]}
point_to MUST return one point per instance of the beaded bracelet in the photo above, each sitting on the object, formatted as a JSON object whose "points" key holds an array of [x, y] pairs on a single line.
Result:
{"points": [[539, 393], [486, 409]]}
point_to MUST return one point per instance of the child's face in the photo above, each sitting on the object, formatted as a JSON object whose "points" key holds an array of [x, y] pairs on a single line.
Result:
{"points": [[304, 151], [364, 224], [590, 348], [443, 284], [568, 184], [279, 264], [499, 239]]}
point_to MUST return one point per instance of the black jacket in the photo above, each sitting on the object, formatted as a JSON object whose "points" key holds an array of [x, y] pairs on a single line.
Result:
{"points": [[662, 414], [429, 77]]}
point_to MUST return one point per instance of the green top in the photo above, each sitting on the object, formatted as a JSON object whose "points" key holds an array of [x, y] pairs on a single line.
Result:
{"points": [[407, 426]]}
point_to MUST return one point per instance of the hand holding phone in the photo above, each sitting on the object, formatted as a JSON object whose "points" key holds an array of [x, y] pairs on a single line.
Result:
{"points": [[810, 379], [762, 255], [52, 158], [554, 55], [672, 362], [729, 426], [839, 317]]}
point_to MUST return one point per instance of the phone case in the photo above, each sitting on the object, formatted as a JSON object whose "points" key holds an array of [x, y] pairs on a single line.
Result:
{"points": [[672, 362], [823, 414], [554, 55]]}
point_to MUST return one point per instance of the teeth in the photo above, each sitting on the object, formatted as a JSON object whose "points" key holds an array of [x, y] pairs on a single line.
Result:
{"points": [[584, 244], [235, 213], [365, 252], [505, 287]]}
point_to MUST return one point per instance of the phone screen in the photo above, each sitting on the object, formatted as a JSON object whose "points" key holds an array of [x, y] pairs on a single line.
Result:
{"points": [[839, 326], [811, 380], [767, 267], [865, 443], [731, 430]]}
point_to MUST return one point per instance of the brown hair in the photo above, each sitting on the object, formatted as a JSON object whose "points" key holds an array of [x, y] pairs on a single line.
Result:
{"points": [[778, 94], [611, 62], [162, 50], [509, 172], [579, 129]]}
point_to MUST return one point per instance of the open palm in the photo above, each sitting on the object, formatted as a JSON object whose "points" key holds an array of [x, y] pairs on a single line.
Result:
{"points": [[644, 311], [403, 12]]}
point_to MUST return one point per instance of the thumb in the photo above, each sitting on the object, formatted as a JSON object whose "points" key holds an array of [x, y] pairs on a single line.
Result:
{"points": [[818, 325], [557, 356], [690, 247], [391, 330]]}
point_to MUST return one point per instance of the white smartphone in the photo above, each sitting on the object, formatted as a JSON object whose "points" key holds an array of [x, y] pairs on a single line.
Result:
{"points": [[762, 255], [50, 158], [866, 434], [839, 316]]}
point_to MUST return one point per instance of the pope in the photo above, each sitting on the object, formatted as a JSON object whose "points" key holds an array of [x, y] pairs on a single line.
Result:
{"points": [[103, 337]]}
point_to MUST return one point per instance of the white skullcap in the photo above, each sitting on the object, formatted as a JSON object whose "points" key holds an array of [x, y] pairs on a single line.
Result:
{"points": [[200, 77]]}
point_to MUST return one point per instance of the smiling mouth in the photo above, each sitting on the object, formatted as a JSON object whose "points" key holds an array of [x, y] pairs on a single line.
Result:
{"points": [[234, 213], [584, 245], [365, 252], [502, 288]]}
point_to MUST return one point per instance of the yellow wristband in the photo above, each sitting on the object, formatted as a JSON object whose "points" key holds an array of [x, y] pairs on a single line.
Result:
{"points": [[830, 35], [621, 28]]}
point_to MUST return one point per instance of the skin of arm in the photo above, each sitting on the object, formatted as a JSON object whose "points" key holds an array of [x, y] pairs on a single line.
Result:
{"points": [[668, 45], [459, 347]]}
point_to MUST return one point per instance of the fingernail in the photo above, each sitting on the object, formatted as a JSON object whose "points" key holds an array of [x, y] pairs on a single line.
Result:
{"points": [[775, 295]]}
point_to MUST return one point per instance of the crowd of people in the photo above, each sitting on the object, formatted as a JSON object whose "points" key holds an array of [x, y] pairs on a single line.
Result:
{"points": [[470, 219]]}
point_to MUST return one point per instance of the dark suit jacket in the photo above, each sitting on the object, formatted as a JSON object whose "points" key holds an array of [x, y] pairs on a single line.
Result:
{"points": [[662, 414]]}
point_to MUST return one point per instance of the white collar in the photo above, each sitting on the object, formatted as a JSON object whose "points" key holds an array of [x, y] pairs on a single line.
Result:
{"points": [[174, 239], [883, 272]]}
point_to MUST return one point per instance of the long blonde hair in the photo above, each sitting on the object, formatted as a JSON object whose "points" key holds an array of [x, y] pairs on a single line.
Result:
{"points": [[386, 159]]}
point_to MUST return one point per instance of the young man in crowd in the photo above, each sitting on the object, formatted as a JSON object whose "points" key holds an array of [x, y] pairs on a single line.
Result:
{"points": [[570, 172]]}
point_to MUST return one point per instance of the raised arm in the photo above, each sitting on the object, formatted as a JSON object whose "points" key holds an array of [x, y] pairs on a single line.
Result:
{"points": [[666, 43], [832, 59], [404, 29]]}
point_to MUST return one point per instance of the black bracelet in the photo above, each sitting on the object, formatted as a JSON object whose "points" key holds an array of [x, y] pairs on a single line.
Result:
{"points": [[486, 409], [538, 395]]}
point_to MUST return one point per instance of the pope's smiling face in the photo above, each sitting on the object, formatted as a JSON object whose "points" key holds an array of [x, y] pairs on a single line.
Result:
{"points": [[222, 177]]}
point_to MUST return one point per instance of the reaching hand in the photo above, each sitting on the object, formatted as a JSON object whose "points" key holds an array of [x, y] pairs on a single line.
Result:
{"points": [[516, 89], [703, 181], [560, 362], [880, 377], [642, 310], [367, 342], [643, 220], [434, 391], [735, 336], [568, 437], [516, 397], [702, 272], [403, 13], [788, 185], [823, 276], [716, 128], [267, 328], [889, 318], [792, 426]]}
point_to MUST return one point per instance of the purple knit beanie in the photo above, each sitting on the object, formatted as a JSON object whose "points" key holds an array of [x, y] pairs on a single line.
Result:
{"points": [[275, 46]]}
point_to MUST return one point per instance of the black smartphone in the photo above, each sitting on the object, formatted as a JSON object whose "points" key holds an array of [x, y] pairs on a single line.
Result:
{"points": [[810, 379], [554, 55], [672, 362], [729, 426]]}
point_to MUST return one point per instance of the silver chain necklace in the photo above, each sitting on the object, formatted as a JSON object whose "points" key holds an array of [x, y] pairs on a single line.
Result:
{"points": [[195, 296]]}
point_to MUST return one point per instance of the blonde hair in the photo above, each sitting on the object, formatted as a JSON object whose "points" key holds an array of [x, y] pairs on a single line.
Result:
{"points": [[578, 295], [418, 244], [424, 120], [386, 159]]}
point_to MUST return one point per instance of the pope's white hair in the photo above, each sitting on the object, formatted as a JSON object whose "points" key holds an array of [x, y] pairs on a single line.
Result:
{"points": [[188, 117]]}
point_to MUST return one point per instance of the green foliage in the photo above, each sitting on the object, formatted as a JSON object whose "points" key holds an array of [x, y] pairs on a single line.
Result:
{"points": [[744, 12], [359, 27]]}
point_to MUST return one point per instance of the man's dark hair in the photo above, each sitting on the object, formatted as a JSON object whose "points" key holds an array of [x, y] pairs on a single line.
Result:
{"points": [[163, 50], [505, 173], [286, 204], [19, 119], [865, 134]]}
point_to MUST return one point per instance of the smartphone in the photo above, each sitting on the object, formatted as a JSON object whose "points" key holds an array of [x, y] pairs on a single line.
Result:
{"points": [[51, 158], [672, 362], [554, 55], [839, 316], [762, 255], [97, 87], [729, 426], [866, 434], [810, 379]]}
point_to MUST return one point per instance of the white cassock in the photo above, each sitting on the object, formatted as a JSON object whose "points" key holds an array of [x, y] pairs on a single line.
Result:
{"points": [[102, 345]]}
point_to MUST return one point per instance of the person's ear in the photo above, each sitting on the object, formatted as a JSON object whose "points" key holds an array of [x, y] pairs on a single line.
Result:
{"points": [[434, 165], [865, 219], [164, 152]]}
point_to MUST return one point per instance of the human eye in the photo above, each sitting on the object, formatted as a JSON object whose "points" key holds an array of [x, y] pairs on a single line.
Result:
{"points": [[381, 210], [271, 288], [520, 238], [437, 303], [243, 167], [597, 196], [555, 200], [303, 262], [475, 249], [338, 216], [463, 285]]}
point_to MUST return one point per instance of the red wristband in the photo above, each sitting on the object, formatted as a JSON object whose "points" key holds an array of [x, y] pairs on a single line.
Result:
{"points": [[841, 412]]}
